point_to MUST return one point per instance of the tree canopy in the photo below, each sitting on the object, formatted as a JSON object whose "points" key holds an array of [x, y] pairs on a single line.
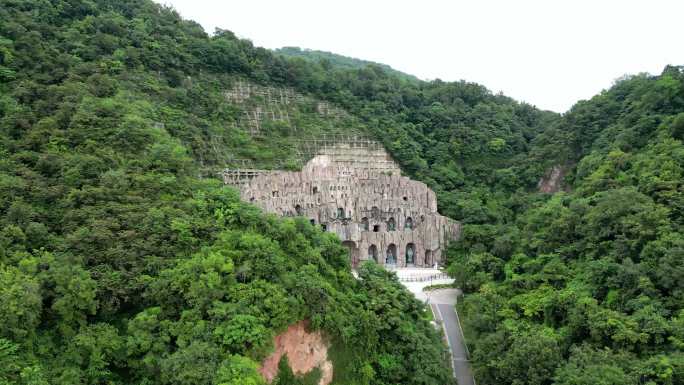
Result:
{"points": [[590, 280], [124, 260]]}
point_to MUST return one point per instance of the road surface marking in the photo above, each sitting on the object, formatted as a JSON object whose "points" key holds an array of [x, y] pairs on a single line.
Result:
{"points": [[446, 336]]}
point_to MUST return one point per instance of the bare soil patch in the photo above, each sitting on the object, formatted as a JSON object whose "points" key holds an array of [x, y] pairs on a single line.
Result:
{"points": [[305, 351]]}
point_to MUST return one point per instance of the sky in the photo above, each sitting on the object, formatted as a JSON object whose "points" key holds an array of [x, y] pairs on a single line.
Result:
{"points": [[549, 53]]}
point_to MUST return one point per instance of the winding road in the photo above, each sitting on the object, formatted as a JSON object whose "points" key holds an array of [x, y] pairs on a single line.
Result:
{"points": [[459, 354], [442, 303]]}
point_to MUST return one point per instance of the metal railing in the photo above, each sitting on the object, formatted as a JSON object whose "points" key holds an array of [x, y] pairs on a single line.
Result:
{"points": [[423, 278]]}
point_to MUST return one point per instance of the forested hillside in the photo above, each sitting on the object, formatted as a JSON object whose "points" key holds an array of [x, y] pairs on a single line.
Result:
{"points": [[340, 61], [124, 260], [118, 263], [587, 287]]}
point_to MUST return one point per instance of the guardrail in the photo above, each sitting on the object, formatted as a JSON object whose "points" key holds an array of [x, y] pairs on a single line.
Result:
{"points": [[423, 278]]}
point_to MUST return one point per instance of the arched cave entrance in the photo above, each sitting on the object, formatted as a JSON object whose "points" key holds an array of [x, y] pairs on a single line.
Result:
{"points": [[391, 225], [298, 210], [409, 224], [364, 224], [410, 254], [428, 257], [391, 255], [373, 253]]}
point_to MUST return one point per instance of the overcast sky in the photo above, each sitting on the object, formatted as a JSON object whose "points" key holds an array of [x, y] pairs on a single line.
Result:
{"points": [[549, 53]]}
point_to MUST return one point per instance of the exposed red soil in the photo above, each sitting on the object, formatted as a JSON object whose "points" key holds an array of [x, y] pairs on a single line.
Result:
{"points": [[305, 351]]}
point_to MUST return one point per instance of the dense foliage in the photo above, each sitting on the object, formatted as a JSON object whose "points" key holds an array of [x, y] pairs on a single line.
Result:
{"points": [[118, 264], [587, 286], [328, 59]]}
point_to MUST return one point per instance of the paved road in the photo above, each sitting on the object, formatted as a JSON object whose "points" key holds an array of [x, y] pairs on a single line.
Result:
{"points": [[462, 370], [417, 287], [442, 302]]}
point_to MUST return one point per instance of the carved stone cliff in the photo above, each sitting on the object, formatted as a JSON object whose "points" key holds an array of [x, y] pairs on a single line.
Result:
{"points": [[359, 194]]}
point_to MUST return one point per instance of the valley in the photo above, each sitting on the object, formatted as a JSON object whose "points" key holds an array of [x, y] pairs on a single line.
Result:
{"points": [[184, 208]]}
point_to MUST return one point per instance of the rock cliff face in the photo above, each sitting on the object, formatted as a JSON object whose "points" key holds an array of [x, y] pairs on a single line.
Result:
{"points": [[359, 194], [552, 181]]}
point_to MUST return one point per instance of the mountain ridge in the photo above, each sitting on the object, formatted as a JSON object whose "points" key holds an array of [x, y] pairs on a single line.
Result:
{"points": [[341, 61], [125, 260]]}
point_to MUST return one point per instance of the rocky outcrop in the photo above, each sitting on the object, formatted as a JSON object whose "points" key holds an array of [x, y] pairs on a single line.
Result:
{"points": [[360, 195], [305, 351], [552, 181]]}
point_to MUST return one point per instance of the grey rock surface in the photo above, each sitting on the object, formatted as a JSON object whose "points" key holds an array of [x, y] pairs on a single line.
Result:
{"points": [[359, 194]]}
